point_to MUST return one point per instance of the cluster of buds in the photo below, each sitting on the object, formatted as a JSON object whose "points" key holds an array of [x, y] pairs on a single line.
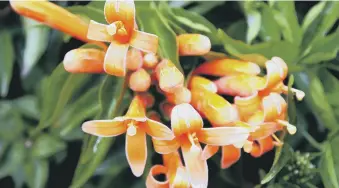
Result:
{"points": [[257, 112]]}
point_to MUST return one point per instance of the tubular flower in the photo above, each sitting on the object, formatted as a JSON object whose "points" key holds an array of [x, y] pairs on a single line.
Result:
{"points": [[193, 44], [169, 76], [134, 59], [136, 125], [227, 67], [53, 16], [245, 85], [187, 126], [198, 82], [84, 60], [262, 146], [180, 95], [175, 172], [150, 60], [230, 154], [214, 107], [140, 80], [121, 33]]}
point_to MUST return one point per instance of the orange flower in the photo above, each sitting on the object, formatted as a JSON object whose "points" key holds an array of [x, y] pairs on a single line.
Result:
{"points": [[134, 59], [245, 85], [193, 44], [136, 125], [187, 126], [175, 172], [166, 109], [223, 67], [169, 76], [153, 115], [150, 60], [140, 80], [198, 82], [262, 146], [214, 107], [230, 154], [53, 16], [121, 33], [84, 60], [147, 98], [180, 95]]}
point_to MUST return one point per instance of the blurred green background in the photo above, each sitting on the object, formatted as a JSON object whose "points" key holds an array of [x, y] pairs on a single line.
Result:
{"points": [[42, 106]]}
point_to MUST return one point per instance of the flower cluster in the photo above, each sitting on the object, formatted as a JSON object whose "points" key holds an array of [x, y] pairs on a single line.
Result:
{"points": [[257, 111]]}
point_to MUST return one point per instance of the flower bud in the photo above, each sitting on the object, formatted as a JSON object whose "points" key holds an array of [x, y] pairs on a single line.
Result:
{"points": [[193, 44], [140, 81]]}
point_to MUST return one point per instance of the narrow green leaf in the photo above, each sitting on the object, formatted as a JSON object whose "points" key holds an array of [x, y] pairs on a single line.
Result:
{"points": [[253, 19], [292, 110], [93, 12], [331, 86], [27, 106], [6, 61], [151, 21], [36, 172], [46, 145], [14, 159], [36, 40], [270, 30], [237, 30], [328, 166], [11, 125], [312, 15], [282, 155]]}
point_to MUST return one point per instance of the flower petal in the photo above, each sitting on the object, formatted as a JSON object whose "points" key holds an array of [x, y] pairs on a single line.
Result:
{"points": [[83, 60], [209, 151], [274, 105], [166, 109], [115, 59], [150, 60], [136, 152], [134, 59], [136, 108], [104, 128], [140, 80], [169, 76], [230, 155], [196, 167], [165, 146], [151, 182], [265, 129], [145, 42], [98, 32], [193, 44], [179, 96], [247, 106], [262, 146], [223, 67], [147, 98], [181, 179], [198, 82], [221, 136], [158, 130]]}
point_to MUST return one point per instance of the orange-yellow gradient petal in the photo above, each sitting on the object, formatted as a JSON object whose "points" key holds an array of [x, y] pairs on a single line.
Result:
{"points": [[145, 42], [136, 109], [136, 152], [53, 16], [193, 44], [229, 156], [147, 98], [165, 146], [185, 119], [262, 146], [158, 130], [166, 109], [151, 182], [115, 59], [198, 82], [169, 76], [247, 106], [221, 136], [209, 151], [150, 60], [98, 32], [273, 106], [224, 67], [180, 95], [104, 128], [123, 11], [84, 61], [134, 59], [140, 80]]}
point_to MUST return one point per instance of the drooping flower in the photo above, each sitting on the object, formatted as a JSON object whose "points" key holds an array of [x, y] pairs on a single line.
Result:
{"points": [[169, 76], [193, 44], [140, 80], [187, 126], [198, 82], [176, 175], [84, 60], [136, 125], [121, 33]]}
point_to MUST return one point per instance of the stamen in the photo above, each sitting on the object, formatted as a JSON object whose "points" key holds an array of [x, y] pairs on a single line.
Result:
{"points": [[111, 29], [290, 128], [131, 130], [277, 140], [193, 139], [299, 94]]}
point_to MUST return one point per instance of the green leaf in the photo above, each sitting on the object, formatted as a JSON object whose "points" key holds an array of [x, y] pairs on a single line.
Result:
{"points": [[312, 15], [270, 30], [6, 61], [292, 110], [328, 165], [237, 30], [36, 172], [263, 51], [14, 159], [253, 19], [324, 49], [36, 40], [282, 155], [331, 86], [92, 12], [151, 21], [113, 100], [11, 125], [285, 15], [46, 145], [316, 98], [27, 106], [205, 6], [57, 91]]}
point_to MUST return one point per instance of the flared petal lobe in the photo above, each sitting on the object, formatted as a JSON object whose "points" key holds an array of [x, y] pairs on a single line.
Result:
{"points": [[165, 146], [158, 130], [53, 16], [136, 152], [98, 32], [229, 156], [221, 136], [104, 128], [84, 61], [193, 44], [115, 59], [145, 42], [225, 67], [151, 182], [137, 109]]}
